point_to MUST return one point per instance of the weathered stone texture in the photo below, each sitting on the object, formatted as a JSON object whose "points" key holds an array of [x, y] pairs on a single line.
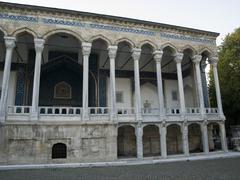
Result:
{"points": [[33, 143]]}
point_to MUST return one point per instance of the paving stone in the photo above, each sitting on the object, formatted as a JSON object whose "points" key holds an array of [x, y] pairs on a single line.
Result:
{"points": [[217, 169]]}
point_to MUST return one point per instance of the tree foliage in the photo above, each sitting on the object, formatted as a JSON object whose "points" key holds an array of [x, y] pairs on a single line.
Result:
{"points": [[229, 77]]}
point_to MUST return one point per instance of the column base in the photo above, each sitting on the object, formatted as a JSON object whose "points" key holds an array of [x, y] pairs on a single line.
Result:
{"points": [[85, 117], [34, 116]]}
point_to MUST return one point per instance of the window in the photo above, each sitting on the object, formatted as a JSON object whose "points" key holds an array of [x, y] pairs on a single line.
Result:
{"points": [[62, 90], [119, 97], [174, 95], [59, 151]]}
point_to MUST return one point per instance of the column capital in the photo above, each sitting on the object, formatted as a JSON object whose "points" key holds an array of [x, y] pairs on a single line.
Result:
{"points": [[136, 53], [213, 60], [197, 59], [39, 44], [158, 56], [86, 48], [178, 57], [9, 42], [112, 51]]}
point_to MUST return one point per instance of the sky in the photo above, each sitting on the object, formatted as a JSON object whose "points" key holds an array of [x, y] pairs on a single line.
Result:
{"points": [[221, 16]]}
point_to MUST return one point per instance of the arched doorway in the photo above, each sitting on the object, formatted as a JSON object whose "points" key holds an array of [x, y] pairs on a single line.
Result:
{"points": [[174, 139], [214, 138], [151, 141], [195, 138], [126, 142]]}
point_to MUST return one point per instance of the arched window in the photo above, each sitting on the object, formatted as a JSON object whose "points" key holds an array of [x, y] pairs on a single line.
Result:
{"points": [[62, 90], [59, 150]]}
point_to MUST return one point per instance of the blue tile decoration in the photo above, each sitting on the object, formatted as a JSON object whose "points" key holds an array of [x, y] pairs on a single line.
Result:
{"points": [[186, 38], [106, 27], [18, 17], [62, 22]]}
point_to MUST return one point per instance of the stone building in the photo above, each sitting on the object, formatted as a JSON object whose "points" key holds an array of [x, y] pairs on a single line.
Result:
{"points": [[84, 87]]}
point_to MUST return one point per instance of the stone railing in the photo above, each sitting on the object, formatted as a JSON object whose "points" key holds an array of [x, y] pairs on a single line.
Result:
{"points": [[192, 110], [16, 112], [211, 110], [60, 110], [125, 110], [98, 110], [19, 110], [150, 111], [172, 111]]}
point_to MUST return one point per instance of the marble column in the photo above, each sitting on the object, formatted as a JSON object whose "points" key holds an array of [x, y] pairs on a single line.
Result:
{"points": [[136, 53], [112, 51], [86, 50], [196, 60], [214, 61], [185, 139], [39, 45], [163, 140], [204, 132], [139, 135], [204, 83], [158, 58], [223, 137], [10, 44], [178, 59]]}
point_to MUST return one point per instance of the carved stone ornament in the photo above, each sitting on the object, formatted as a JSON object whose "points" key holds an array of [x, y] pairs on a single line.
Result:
{"points": [[178, 58]]}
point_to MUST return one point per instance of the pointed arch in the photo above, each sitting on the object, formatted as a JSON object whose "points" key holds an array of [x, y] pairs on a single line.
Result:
{"points": [[147, 42], [25, 29], [206, 50], [66, 31], [3, 31], [102, 37], [194, 51], [128, 41], [173, 48]]}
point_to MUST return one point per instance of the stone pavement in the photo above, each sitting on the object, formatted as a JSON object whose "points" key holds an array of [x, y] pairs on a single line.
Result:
{"points": [[214, 169]]}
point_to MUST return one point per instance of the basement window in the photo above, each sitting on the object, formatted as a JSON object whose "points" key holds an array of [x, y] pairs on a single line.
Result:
{"points": [[59, 151]]}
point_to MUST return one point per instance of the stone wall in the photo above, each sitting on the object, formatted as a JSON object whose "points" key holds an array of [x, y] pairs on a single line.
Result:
{"points": [[33, 143]]}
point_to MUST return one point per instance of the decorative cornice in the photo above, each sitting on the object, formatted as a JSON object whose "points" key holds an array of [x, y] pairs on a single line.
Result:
{"points": [[114, 19], [107, 27]]}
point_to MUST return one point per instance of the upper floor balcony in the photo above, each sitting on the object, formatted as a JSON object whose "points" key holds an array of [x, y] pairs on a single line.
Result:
{"points": [[60, 78], [98, 114]]}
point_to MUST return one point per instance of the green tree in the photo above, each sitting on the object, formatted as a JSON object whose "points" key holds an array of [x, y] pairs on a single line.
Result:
{"points": [[229, 78]]}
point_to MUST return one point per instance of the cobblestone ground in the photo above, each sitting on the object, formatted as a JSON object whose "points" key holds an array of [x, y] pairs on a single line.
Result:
{"points": [[219, 169]]}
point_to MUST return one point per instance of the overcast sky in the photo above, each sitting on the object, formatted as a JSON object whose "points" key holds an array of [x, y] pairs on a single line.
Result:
{"points": [[221, 16]]}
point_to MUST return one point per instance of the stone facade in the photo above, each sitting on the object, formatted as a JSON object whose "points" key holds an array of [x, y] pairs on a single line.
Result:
{"points": [[133, 88]]}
